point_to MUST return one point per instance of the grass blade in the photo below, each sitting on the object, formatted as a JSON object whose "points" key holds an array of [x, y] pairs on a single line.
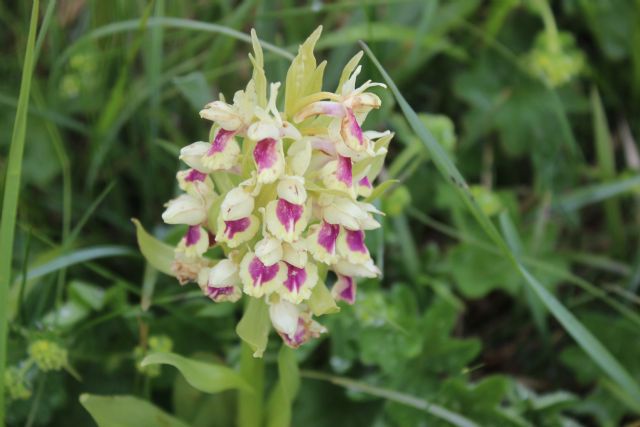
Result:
{"points": [[585, 339], [395, 396], [12, 191], [596, 193], [607, 167]]}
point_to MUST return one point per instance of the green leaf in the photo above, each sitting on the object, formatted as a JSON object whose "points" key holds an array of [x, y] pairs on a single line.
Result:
{"points": [[126, 411], [205, 377], [157, 253], [90, 295], [321, 302], [445, 166], [12, 191], [194, 88], [596, 193], [253, 328], [381, 189]]}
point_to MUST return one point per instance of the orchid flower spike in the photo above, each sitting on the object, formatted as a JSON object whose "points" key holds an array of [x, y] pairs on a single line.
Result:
{"points": [[290, 201]]}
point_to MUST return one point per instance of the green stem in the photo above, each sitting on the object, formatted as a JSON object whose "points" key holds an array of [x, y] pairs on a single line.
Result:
{"points": [[36, 400], [549, 22], [251, 404]]}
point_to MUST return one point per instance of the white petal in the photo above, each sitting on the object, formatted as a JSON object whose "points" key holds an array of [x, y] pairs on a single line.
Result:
{"points": [[192, 155], [185, 209], [269, 250], [291, 188], [237, 204], [224, 273], [284, 317]]}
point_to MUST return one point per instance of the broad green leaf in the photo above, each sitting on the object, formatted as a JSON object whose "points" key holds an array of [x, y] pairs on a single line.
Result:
{"points": [[253, 328], [321, 302], [157, 253], [126, 411], [598, 353], [206, 377]]}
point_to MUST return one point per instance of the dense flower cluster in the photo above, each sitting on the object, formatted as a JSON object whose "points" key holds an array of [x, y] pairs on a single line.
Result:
{"points": [[282, 193]]}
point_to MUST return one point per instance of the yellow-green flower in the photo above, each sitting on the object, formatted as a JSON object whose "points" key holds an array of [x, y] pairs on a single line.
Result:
{"points": [[48, 355]]}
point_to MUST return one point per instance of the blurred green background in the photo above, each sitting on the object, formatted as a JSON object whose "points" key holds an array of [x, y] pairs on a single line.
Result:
{"points": [[538, 103]]}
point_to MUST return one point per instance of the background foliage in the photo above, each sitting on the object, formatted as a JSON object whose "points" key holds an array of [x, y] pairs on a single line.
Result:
{"points": [[535, 102]]}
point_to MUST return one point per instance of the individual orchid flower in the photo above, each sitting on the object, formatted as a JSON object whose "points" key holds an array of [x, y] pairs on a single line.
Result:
{"points": [[195, 242], [221, 282], [288, 205], [344, 289], [293, 323], [350, 107], [221, 154], [259, 279], [186, 209], [236, 117]]}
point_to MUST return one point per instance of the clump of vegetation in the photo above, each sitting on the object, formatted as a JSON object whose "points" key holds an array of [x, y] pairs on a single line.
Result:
{"points": [[510, 275]]}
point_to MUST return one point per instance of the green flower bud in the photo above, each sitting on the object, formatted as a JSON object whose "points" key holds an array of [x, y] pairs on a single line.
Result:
{"points": [[15, 385], [48, 355], [555, 60]]}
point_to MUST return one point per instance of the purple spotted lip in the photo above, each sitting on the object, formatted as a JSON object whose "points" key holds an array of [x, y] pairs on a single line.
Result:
{"points": [[261, 273], [298, 337], [288, 214], [364, 181], [295, 278], [193, 235], [265, 154], [236, 226], [355, 240], [327, 236], [195, 175], [220, 141], [215, 292], [344, 171], [348, 292]]}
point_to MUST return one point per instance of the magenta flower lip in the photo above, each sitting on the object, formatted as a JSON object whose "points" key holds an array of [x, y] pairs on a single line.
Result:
{"points": [[328, 236], [261, 273], [265, 153], [220, 141], [288, 213], [236, 226]]}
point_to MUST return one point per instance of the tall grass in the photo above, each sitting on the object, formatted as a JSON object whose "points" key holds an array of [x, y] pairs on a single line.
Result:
{"points": [[12, 192]]}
